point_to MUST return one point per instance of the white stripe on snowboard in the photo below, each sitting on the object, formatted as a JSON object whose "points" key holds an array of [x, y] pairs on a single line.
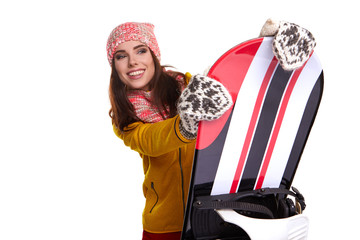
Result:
{"points": [[291, 122], [241, 117]]}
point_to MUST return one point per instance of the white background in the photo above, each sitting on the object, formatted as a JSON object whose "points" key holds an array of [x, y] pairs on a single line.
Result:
{"points": [[65, 175]]}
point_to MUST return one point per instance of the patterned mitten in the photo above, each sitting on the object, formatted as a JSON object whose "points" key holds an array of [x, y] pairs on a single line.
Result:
{"points": [[203, 99], [292, 44]]}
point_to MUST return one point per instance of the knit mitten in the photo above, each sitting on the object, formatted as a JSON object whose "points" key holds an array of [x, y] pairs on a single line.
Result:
{"points": [[203, 99], [292, 44]]}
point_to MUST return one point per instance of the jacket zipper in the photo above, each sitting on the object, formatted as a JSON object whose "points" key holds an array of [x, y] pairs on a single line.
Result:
{"points": [[182, 181], [182, 186], [157, 196]]}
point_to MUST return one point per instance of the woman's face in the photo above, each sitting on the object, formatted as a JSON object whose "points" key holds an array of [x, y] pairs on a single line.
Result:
{"points": [[134, 64]]}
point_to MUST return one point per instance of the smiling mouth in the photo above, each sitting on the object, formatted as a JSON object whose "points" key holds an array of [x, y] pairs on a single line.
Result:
{"points": [[136, 73]]}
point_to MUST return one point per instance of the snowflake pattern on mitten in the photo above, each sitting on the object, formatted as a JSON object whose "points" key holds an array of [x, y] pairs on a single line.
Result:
{"points": [[203, 99], [292, 45]]}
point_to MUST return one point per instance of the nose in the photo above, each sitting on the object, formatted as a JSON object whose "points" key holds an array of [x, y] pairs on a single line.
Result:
{"points": [[132, 61]]}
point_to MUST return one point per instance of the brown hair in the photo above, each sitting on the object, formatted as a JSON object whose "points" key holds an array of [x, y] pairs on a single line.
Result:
{"points": [[165, 93]]}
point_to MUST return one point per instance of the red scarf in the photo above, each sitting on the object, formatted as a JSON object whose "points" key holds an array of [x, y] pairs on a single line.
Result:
{"points": [[144, 109]]}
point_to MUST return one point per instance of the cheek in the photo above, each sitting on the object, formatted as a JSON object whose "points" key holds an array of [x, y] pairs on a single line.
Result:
{"points": [[152, 70], [120, 75], [151, 65], [120, 70]]}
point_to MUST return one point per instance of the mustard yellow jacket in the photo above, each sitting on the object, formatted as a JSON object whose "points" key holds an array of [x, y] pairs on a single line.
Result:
{"points": [[167, 160]]}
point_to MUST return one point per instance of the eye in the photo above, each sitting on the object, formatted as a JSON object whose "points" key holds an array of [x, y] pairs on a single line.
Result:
{"points": [[119, 56], [142, 51]]}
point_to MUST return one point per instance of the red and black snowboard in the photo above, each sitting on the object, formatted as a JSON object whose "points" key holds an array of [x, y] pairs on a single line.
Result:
{"points": [[258, 142]]}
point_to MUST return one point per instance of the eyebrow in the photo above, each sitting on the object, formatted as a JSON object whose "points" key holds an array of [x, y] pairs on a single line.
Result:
{"points": [[136, 47]]}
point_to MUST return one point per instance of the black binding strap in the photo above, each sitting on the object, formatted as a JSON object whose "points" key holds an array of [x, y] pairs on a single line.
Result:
{"points": [[241, 206], [232, 200]]}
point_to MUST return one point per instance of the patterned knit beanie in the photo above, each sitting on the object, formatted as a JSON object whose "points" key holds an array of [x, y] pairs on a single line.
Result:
{"points": [[132, 31]]}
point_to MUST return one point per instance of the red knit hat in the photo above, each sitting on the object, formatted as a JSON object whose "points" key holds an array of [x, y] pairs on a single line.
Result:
{"points": [[132, 31]]}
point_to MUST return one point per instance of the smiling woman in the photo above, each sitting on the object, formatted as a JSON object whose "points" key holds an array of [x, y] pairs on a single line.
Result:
{"points": [[145, 115], [138, 79]]}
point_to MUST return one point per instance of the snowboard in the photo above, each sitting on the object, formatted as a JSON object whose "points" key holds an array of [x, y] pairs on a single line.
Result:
{"points": [[258, 142]]}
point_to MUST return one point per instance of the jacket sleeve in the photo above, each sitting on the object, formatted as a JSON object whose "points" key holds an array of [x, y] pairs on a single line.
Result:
{"points": [[153, 139]]}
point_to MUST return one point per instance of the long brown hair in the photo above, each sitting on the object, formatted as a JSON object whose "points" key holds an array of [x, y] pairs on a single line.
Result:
{"points": [[165, 92]]}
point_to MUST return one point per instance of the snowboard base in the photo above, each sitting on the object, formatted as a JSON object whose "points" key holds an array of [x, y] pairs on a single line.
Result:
{"points": [[256, 145]]}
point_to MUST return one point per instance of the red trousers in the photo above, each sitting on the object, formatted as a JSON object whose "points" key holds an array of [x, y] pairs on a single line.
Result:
{"points": [[161, 236]]}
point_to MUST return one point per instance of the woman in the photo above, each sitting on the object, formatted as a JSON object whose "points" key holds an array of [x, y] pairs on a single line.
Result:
{"points": [[156, 113]]}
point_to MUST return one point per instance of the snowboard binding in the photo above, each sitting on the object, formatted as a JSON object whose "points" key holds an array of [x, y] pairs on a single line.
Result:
{"points": [[216, 217]]}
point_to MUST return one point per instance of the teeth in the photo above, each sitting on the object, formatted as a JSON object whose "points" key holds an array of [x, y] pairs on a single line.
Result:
{"points": [[136, 73]]}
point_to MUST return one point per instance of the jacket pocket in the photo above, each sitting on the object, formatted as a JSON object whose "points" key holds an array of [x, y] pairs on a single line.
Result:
{"points": [[156, 194]]}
